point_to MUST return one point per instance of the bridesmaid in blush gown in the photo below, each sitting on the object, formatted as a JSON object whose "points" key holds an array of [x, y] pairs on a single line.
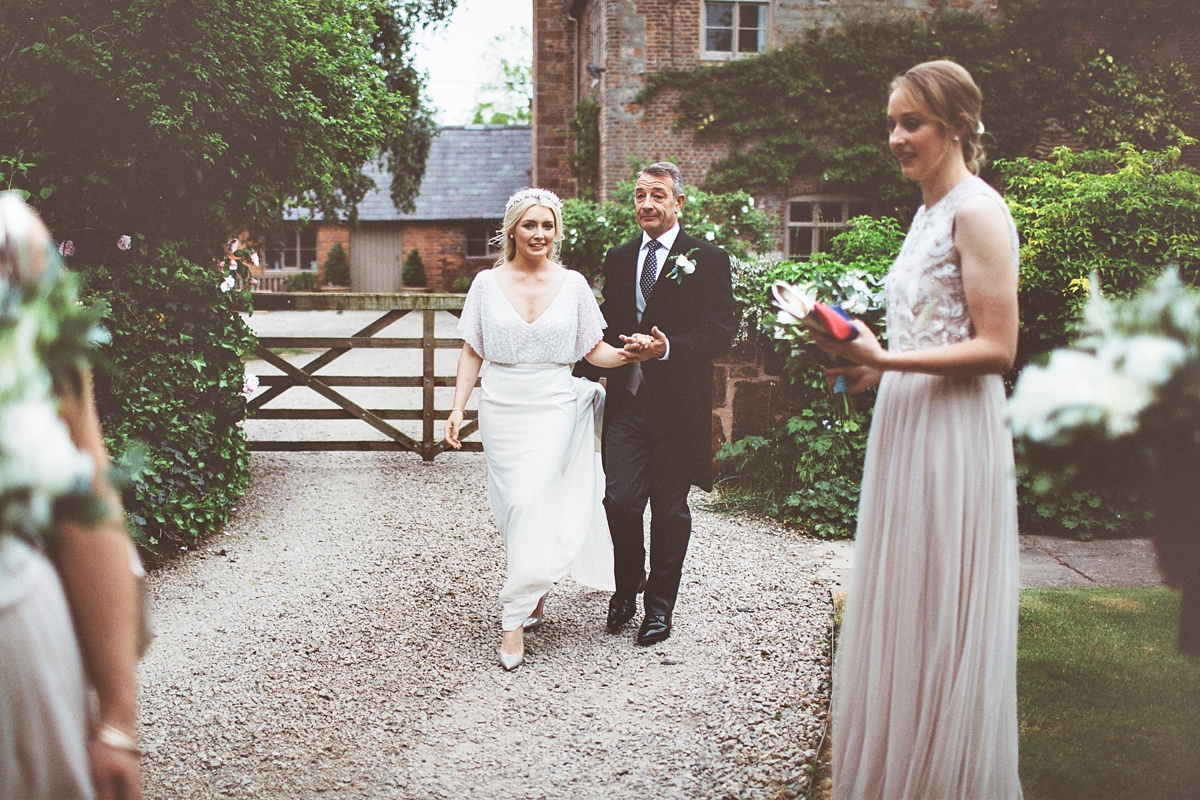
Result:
{"points": [[532, 320], [924, 702]]}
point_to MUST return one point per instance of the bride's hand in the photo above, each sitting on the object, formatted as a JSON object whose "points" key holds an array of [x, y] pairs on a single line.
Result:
{"points": [[453, 426]]}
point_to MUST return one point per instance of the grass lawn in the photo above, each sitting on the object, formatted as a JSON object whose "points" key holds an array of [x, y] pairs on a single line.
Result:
{"points": [[1107, 708]]}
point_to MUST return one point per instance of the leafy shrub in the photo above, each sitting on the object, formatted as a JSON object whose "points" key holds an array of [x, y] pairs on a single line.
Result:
{"points": [[809, 472], [301, 282], [337, 266], [462, 284], [174, 385], [1123, 215], [413, 272], [728, 220]]}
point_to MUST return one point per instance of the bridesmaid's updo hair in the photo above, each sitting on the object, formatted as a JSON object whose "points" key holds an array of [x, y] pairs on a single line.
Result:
{"points": [[516, 207], [953, 98]]}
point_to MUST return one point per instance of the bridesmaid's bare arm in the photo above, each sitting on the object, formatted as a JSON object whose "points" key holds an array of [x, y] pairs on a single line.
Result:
{"points": [[984, 243]]}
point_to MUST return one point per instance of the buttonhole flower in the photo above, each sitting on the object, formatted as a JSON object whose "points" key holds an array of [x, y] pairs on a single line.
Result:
{"points": [[125, 242], [66, 249]]}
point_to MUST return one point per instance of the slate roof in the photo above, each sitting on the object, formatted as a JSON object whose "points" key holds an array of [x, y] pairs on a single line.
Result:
{"points": [[471, 172]]}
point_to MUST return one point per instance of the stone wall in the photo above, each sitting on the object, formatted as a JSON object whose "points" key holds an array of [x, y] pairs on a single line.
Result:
{"points": [[751, 396]]}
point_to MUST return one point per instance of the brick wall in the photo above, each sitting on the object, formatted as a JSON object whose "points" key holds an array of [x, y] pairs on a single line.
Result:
{"points": [[329, 234], [443, 247], [553, 95]]}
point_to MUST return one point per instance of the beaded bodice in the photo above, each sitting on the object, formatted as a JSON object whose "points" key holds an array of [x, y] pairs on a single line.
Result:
{"points": [[565, 332], [926, 304]]}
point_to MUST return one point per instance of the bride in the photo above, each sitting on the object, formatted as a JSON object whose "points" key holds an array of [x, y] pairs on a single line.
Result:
{"points": [[531, 319]]}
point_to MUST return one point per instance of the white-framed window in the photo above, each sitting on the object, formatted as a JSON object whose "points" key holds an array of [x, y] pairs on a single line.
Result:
{"points": [[734, 29], [813, 221], [292, 247]]}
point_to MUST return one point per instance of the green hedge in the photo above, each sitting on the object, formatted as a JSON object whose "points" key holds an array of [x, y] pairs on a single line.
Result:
{"points": [[172, 391]]}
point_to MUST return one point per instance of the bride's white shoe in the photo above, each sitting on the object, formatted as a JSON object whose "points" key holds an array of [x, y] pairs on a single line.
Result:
{"points": [[511, 661], [535, 620]]}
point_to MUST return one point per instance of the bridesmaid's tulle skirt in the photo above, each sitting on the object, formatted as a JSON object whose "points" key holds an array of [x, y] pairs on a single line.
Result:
{"points": [[925, 684], [540, 427]]}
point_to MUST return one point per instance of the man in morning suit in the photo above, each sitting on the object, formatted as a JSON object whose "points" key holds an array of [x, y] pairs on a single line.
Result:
{"points": [[658, 412]]}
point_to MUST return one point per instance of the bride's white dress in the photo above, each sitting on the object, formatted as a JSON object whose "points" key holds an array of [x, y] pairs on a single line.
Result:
{"points": [[925, 684], [540, 428]]}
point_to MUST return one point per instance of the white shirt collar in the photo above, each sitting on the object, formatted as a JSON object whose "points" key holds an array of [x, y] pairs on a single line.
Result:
{"points": [[667, 240]]}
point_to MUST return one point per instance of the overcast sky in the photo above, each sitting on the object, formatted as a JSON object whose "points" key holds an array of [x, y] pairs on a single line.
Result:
{"points": [[452, 53]]}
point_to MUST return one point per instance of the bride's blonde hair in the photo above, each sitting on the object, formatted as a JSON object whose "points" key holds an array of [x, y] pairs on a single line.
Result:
{"points": [[953, 98], [515, 208]]}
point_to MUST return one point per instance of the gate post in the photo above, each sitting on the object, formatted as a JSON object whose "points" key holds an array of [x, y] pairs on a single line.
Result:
{"points": [[428, 351]]}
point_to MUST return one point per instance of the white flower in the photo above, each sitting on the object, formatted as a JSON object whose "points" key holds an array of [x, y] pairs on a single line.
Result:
{"points": [[37, 455], [601, 219], [685, 264], [228, 283], [745, 209], [232, 265], [1147, 359], [710, 235], [751, 202], [254, 259], [250, 385], [125, 242], [234, 245]]}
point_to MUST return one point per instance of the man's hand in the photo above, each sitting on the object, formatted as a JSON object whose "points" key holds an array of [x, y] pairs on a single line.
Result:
{"points": [[640, 347]]}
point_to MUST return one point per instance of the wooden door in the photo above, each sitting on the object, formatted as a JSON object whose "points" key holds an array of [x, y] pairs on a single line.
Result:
{"points": [[376, 256]]}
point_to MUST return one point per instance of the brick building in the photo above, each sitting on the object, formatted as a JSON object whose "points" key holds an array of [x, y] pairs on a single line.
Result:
{"points": [[602, 50], [470, 173]]}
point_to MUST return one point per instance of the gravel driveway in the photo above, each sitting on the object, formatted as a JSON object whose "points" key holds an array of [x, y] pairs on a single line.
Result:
{"points": [[339, 638]]}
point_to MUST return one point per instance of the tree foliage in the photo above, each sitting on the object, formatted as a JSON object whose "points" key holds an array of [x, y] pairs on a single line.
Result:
{"points": [[147, 132], [507, 98]]}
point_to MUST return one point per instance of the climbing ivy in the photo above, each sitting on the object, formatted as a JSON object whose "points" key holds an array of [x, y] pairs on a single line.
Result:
{"points": [[818, 104]]}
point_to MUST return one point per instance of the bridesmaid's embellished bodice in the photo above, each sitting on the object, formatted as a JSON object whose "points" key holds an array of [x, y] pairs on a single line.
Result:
{"points": [[926, 303]]}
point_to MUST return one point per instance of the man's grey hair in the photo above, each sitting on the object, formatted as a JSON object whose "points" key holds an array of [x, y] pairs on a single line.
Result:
{"points": [[665, 169]]}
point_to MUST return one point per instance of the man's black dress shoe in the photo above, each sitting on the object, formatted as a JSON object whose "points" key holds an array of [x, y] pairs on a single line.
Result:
{"points": [[655, 628], [622, 607]]}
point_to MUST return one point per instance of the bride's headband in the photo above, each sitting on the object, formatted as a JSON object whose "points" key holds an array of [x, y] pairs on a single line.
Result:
{"points": [[543, 196]]}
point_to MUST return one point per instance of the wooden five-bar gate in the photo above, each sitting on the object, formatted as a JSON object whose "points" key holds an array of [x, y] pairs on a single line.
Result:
{"points": [[394, 307]]}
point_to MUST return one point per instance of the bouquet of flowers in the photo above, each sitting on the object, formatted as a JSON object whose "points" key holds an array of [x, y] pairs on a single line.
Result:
{"points": [[46, 335], [1121, 407]]}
